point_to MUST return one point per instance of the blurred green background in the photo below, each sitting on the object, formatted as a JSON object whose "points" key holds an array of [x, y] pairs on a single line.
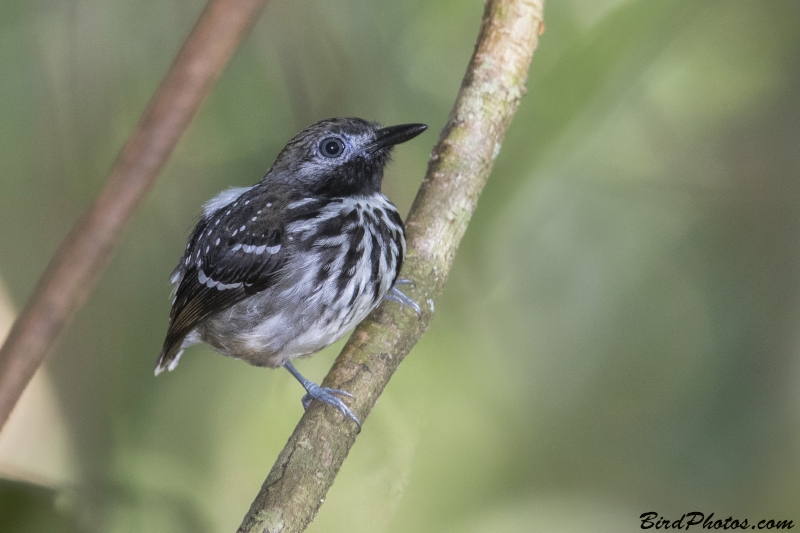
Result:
{"points": [[620, 331]]}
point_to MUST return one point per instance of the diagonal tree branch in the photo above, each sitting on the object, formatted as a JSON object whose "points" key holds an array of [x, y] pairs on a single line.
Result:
{"points": [[459, 167], [87, 249]]}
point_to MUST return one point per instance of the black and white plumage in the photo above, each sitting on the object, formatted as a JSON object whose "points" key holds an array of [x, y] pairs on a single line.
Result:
{"points": [[286, 267]]}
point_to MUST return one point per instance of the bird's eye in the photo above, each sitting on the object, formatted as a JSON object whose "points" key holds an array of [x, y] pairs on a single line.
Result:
{"points": [[331, 147]]}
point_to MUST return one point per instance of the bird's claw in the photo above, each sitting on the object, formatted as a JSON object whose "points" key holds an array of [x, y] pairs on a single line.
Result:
{"points": [[327, 395], [323, 394], [396, 295]]}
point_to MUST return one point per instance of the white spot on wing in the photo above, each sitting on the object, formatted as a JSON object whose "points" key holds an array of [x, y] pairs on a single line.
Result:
{"points": [[211, 283], [298, 203]]}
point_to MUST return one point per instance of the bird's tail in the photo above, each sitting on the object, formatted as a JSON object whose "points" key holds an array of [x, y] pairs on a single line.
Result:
{"points": [[169, 358]]}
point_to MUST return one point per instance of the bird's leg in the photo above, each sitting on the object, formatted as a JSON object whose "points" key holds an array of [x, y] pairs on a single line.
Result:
{"points": [[396, 295], [323, 394]]}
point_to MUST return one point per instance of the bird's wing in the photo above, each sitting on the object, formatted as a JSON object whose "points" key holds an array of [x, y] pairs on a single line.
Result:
{"points": [[233, 253]]}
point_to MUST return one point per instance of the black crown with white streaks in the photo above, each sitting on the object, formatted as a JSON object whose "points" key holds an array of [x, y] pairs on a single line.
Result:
{"points": [[286, 267]]}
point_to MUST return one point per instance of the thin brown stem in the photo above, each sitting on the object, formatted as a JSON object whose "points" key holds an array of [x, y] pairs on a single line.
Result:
{"points": [[87, 249], [459, 167]]}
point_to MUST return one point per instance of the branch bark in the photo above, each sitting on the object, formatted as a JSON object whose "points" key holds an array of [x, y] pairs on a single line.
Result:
{"points": [[459, 166], [87, 249]]}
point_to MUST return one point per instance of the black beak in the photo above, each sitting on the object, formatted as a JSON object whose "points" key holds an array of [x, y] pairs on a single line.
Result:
{"points": [[392, 135]]}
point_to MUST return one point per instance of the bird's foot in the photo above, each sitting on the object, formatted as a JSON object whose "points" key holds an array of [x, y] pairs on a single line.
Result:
{"points": [[327, 395], [396, 295], [323, 394]]}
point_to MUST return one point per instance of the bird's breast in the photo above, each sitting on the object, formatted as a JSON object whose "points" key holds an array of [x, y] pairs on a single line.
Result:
{"points": [[343, 262], [350, 253], [350, 257]]}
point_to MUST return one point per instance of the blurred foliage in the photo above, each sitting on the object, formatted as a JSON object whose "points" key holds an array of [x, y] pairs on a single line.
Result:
{"points": [[620, 330], [27, 507]]}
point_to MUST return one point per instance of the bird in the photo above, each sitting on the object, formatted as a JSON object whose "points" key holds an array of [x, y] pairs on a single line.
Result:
{"points": [[288, 266]]}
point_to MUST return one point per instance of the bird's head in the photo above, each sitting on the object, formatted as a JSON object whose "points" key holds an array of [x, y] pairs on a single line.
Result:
{"points": [[339, 156]]}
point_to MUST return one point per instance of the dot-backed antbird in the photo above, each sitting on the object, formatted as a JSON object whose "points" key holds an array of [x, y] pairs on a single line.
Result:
{"points": [[286, 267]]}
